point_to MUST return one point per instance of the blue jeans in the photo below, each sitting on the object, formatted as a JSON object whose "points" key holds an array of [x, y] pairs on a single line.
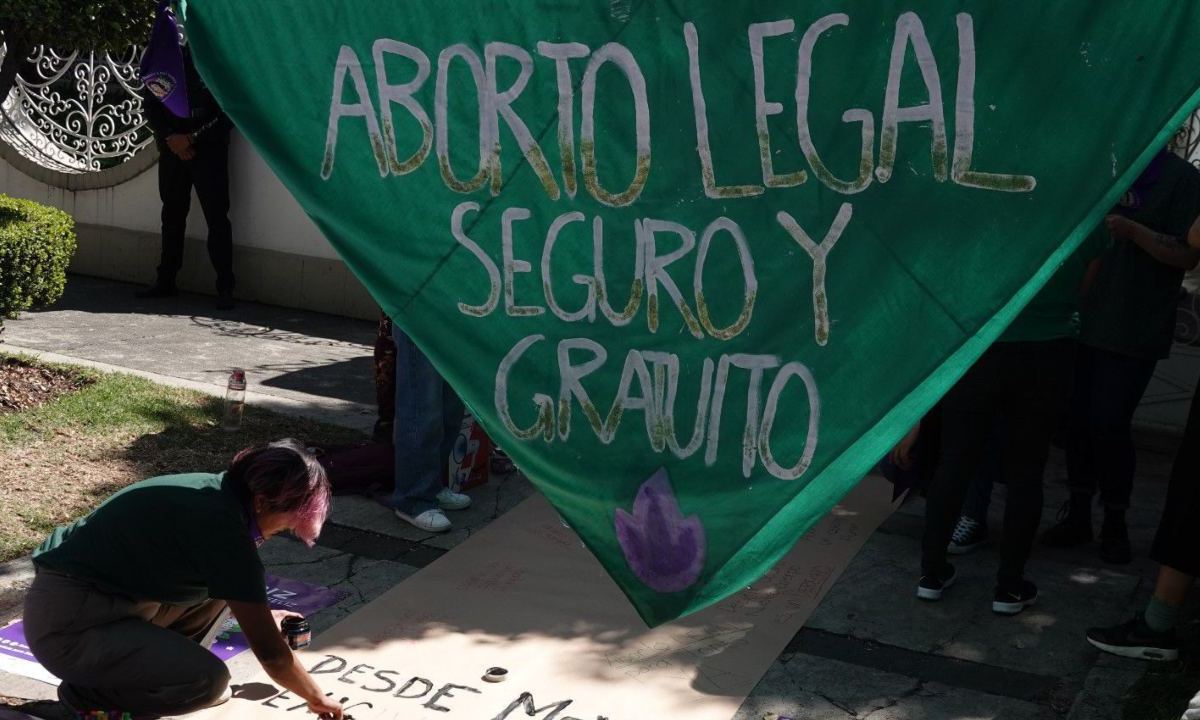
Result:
{"points": [[428, 416]]}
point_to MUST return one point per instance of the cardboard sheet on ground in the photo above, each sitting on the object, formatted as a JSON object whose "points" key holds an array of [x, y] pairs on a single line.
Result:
{"points": [[526, 596], [282, 594]]}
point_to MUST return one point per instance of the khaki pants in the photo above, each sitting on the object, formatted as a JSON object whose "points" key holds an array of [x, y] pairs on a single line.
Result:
{"points": [[114, 653]]}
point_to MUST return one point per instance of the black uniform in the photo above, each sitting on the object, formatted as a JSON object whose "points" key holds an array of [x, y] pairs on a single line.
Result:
{"points": [[207, 172]]}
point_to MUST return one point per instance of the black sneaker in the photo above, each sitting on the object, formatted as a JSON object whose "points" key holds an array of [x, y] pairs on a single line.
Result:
{"points": [[1014, 599], [1074, 527], [1134, 639], [968, 535], [1114, 540], [930, 587], [157, 290]]}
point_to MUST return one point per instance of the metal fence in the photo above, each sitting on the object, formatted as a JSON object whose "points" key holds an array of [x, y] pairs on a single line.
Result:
{"points": [[78, 112]]}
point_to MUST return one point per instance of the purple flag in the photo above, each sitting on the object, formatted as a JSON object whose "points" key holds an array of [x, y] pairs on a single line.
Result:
{"points": [[282, 594], [162, 69]]}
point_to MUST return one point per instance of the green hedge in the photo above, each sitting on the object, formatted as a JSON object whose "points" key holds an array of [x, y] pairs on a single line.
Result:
{"points": [[36, 243]]}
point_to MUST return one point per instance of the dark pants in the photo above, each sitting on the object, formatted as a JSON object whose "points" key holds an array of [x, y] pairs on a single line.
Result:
{"points": [[208, 173], [1177, 543], [115, 653], [428, 417], [1024, 386], [979, 494], [1100, 453]]}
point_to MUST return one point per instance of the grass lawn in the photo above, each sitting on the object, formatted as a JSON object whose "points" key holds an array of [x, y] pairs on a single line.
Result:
{"points": [[59, 460]]}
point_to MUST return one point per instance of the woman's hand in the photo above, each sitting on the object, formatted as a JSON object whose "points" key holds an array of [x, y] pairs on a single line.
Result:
{"points": [[1169, 250], [278, 660], [280, 615], [325, 708], [1122, 228], [181, 145]]}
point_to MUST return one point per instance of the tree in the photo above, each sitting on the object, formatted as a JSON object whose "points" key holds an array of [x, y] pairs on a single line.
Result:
{"points": [[67, 25]]}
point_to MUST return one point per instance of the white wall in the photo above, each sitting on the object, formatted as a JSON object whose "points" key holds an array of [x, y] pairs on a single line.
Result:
{"points": [[264, 214]]}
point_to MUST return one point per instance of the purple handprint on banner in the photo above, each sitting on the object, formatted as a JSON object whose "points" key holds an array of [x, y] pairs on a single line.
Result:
{"points": [[664, 549]]}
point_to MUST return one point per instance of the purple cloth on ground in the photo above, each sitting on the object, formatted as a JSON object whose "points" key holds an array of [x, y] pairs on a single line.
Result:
{"points": [[282, 594]]}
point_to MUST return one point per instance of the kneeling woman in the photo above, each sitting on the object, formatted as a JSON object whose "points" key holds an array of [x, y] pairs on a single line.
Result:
{"points": [[125, 597]]}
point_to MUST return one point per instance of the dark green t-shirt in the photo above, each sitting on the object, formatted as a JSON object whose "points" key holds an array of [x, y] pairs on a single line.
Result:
{"points": [[1130, 309], [178, 539], [1054, 312]]}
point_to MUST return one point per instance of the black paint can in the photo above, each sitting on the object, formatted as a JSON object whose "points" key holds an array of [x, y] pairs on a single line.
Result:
{"points": [[296, 631]]}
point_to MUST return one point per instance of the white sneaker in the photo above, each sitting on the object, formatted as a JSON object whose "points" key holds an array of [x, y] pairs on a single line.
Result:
{"points": [[450, 500], [434, 521]]}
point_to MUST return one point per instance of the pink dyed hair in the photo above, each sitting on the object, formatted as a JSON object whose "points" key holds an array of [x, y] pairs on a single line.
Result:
{"points": [[289, 480]]}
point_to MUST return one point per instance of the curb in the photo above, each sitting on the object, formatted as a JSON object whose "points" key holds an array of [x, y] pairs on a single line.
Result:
{"points": [[1157, 437], [343, 413], [16, 571]]}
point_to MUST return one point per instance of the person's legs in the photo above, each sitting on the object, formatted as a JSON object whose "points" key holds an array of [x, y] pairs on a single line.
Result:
{"points": [[1100, 452], [419, 430], [966, 417], [1177, 541], [1037, 380], [211, 174], [110, 654], [971, 531], [979, 495], [1121, 381], [1074, 525], [136, 667], [1151, 635], [1081, 468], [175, 192], [1170, 591], [196, 622], [1124, 381], [452, 417]]}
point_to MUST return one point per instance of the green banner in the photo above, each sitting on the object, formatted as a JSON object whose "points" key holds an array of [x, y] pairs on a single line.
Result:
{"points": [[698, 265]]}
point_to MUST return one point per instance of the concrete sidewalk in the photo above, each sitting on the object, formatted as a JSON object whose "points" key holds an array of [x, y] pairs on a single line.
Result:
{"points": [[870, 650], [296, 361]]}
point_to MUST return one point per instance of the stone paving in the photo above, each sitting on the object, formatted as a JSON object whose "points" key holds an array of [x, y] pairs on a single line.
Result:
{"points": [[871, 650]]}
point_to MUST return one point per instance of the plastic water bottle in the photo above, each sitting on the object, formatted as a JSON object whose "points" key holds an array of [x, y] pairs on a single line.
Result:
{"points": [[235, 401]]}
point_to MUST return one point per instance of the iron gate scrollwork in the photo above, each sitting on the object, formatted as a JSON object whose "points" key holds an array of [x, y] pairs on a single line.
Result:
{"points": [[76, 113]]}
